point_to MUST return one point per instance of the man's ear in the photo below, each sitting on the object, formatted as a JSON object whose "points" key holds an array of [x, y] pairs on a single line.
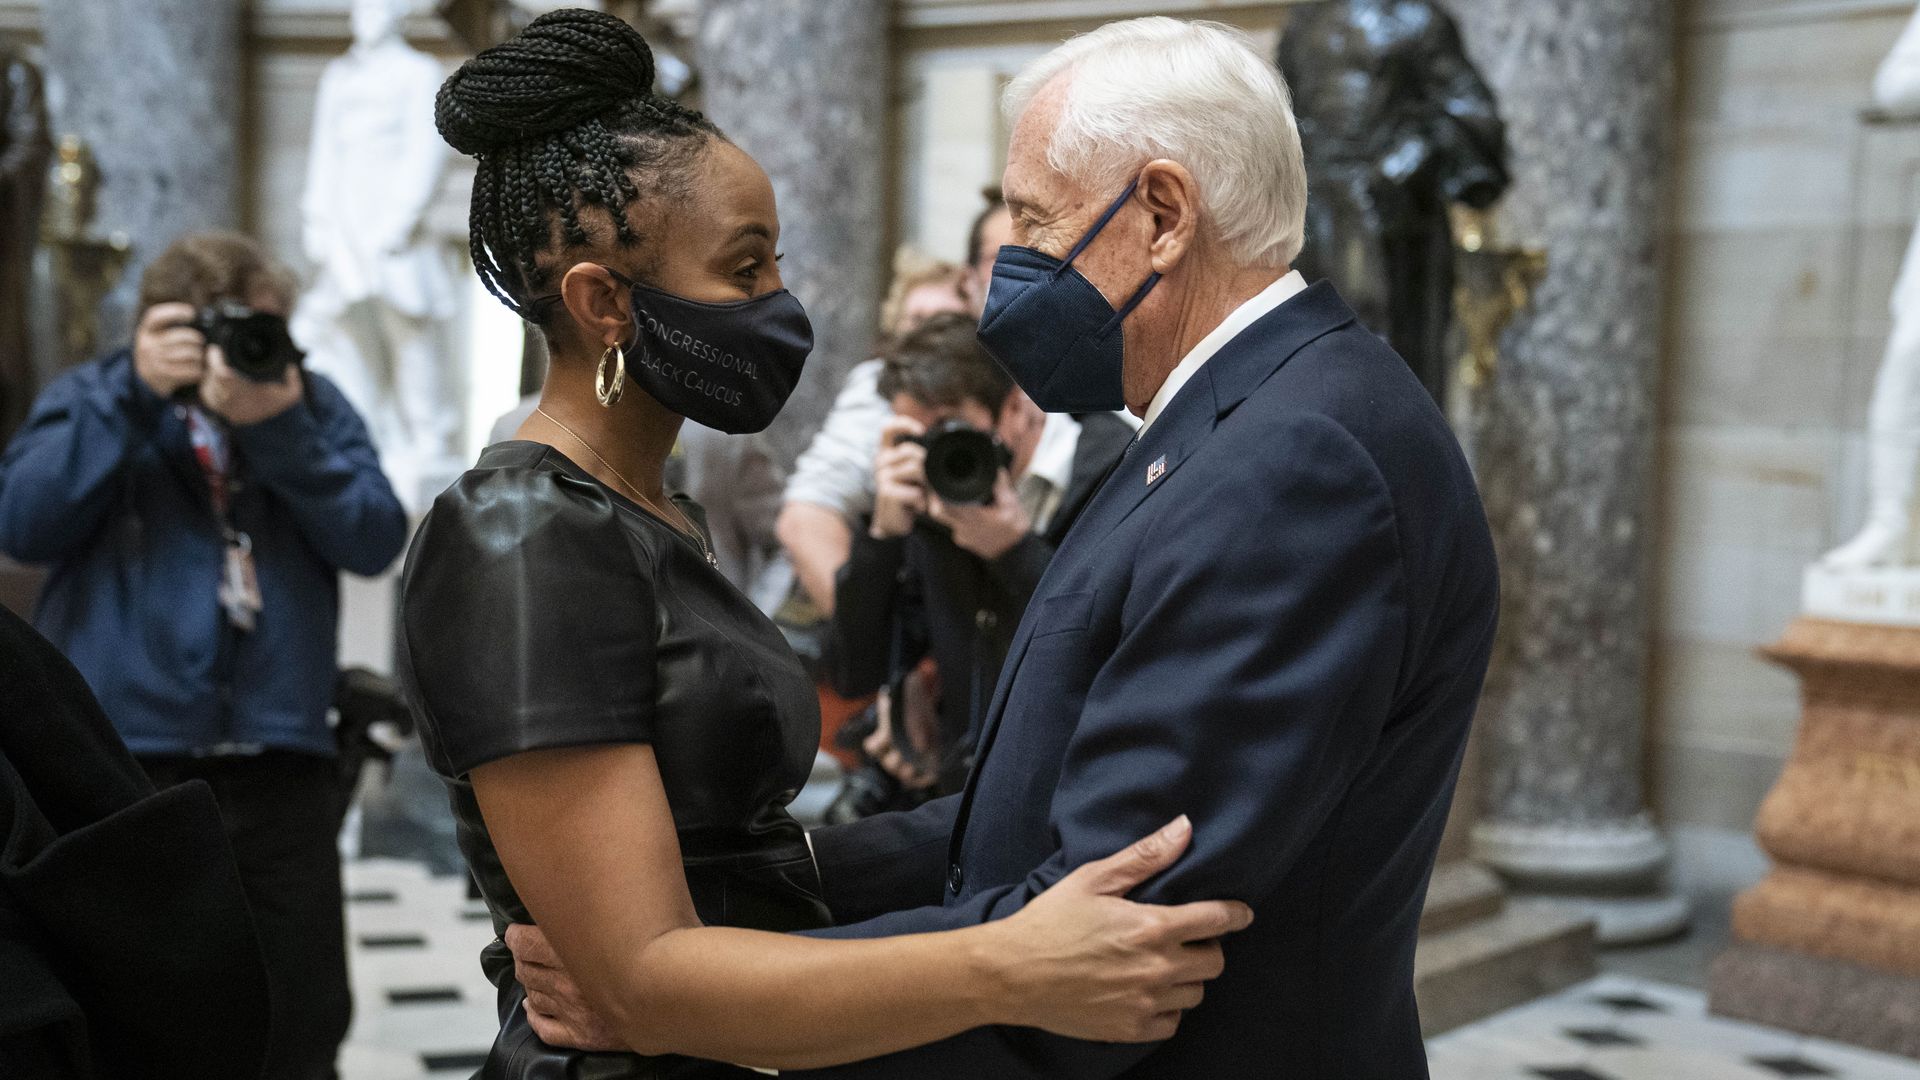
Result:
{"points": [[598, 303], [1172, 196]]}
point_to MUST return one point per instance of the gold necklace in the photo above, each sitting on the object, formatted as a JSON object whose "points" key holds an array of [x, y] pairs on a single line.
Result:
{"points": [[639, 495]]}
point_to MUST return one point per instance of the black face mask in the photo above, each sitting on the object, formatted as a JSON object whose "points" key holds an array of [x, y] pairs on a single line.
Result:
{"points": [[728, 366]]}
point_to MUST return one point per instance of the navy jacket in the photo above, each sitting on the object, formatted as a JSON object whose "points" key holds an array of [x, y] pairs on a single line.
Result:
{"points": [[1275, 617], [102, 484]]}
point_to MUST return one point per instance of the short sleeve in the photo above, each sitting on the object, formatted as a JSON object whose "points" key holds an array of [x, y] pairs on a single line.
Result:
{"points": [[836, 469], [528, 620]]}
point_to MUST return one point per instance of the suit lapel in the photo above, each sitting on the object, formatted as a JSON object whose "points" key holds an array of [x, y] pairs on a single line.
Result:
{"points": [[1185, 424], [1102, 439], [1214, 391], [1182, 426]]}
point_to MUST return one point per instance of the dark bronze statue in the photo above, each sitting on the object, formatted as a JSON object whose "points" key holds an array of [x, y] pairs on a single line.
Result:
{"points": [[24, 149], [1397, 124]]}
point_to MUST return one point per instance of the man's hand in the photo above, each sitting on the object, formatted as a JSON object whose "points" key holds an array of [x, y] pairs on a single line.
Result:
{"points": [[555, 1007], [169, 355], [241, 400], [899, 479], [988, 531]]}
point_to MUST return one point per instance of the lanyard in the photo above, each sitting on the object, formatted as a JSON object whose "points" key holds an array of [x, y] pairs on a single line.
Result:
{"points": [[239, 591], [214, 453]]}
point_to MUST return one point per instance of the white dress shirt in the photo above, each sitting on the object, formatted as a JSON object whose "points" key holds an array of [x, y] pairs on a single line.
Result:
{"points": [[1044, 485], [1267, 299]]}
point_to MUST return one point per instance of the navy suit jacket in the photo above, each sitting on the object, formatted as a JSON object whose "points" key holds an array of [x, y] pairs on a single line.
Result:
{"points": [[1274, 617]]}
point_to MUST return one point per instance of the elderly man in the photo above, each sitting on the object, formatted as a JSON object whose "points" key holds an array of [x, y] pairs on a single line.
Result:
{"points": [[1273, 617]]}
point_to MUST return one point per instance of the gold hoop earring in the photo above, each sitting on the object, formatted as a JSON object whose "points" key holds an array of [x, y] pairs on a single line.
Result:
{"points": [[609, 393]]}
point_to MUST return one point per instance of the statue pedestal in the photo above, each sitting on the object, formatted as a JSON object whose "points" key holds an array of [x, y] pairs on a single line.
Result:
{"points": [[1829, 942], [1882, 595]]}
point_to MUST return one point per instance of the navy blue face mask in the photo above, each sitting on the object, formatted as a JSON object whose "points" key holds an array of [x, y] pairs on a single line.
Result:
{"points": [[1053, 330], [729, 366]]}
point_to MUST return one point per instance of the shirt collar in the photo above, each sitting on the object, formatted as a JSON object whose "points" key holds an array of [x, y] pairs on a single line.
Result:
{"points": [[1266, 300], [1053, 458]]}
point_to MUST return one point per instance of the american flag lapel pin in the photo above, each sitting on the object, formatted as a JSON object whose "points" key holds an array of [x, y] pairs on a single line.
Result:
{"points": [[1156, 470]]}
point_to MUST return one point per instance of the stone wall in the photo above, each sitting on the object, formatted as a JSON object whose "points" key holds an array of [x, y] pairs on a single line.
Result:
{"points": [[1787, 223], [954, 57]]}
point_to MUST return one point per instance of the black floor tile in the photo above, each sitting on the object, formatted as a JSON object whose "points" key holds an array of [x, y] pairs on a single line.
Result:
{"points": [[1629, 1003], [1791, 1066], [1602, 1037], [425, 995], [393, 941], [464, 1059]]}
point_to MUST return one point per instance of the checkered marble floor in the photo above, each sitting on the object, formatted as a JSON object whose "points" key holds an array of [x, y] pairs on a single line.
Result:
{"points": [[423, 1012], [421, 1007], [1619, 1028]]}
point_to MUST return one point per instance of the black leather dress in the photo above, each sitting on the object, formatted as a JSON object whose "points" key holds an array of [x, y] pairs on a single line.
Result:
{"points": [[542, 609]]}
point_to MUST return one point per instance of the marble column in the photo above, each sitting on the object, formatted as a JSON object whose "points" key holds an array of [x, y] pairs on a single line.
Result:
{"points": [[802, 85], [1564, 441], [156, 88]]}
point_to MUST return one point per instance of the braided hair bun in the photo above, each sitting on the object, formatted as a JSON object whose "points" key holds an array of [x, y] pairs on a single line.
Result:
{"points": [[569, 135], [566, 68]]}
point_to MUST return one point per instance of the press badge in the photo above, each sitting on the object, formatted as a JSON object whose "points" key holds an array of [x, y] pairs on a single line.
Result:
{"points": [[240, 586]]}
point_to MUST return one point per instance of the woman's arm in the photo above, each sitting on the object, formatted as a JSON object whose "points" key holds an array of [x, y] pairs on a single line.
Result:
{"points": [[60, 478], [588, 841]]}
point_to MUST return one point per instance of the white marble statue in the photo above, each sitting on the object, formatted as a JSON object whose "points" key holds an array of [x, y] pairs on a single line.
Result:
{"points": [[376, 319], [1890, 538]]}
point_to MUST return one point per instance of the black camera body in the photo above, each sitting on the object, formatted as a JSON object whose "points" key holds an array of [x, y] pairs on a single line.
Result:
{"points": [[963, 462], [257, 344]]}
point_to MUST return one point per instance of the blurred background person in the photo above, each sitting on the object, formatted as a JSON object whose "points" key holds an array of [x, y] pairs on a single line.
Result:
{"points": [[831, 489], [922, 287], [196, 501], [992, 230], [974, 488]]}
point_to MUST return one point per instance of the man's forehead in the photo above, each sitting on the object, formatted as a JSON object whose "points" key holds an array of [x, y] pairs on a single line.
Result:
{"points": [[1028, 177]]}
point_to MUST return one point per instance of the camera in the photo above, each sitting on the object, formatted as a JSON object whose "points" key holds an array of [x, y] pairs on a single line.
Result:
{"points": [[257, 344], [963, 462]]}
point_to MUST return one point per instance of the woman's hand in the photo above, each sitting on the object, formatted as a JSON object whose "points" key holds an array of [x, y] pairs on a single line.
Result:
{"points": [[1077, 961], [556, 1009], [1082, 962]]}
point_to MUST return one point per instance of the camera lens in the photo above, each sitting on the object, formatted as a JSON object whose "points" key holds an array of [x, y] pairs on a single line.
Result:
{"points": [[257, 344], [962, 463]]}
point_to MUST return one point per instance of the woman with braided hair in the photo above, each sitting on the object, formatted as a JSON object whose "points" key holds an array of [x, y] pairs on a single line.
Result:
{"points": [[620, 729]]}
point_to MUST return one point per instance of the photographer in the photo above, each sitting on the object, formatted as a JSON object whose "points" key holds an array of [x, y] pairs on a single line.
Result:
{"points": [[974, 487], [196, 501], [831, 488]]}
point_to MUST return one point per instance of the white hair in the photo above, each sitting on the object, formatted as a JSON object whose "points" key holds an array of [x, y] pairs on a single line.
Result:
{"points": [[1193, 92]]}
